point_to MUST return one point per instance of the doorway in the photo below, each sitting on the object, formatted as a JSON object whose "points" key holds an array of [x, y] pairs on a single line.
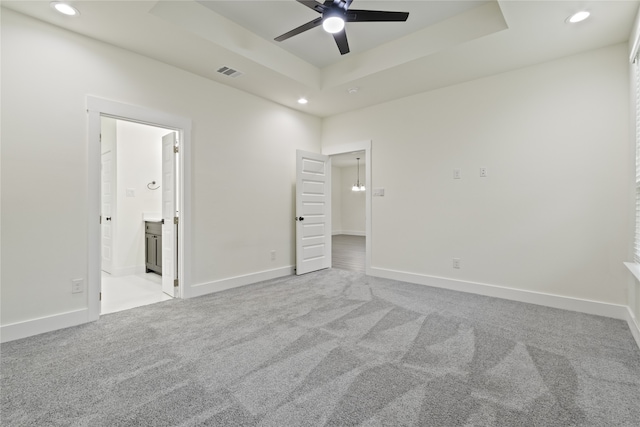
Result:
{"points": [[174, 215], [131, 222], [351, 245], [348, 211]]}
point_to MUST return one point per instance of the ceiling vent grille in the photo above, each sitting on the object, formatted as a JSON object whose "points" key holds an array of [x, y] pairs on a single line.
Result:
{"points": [[230, 72]]}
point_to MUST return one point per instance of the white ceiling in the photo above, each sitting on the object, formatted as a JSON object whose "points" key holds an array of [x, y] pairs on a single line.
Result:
{"points": [[442, 43], [269, 19]]}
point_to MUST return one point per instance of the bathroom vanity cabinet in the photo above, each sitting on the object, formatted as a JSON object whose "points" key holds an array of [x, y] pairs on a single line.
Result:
{"points": [[153, 246]]}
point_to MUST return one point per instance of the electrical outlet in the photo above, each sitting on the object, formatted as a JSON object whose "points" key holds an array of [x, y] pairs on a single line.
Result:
{"points": [[456, 263], [456, 174], [273, 255], [131, 192], [483, 172], [77, 286]]}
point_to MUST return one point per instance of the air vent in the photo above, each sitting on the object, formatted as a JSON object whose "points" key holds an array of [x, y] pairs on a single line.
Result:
{"points": [[229, 72]]}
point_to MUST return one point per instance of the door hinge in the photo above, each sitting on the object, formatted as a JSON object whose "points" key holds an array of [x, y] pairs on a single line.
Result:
{"points": [[100, 219], [175, 219], [175, 283], [100, 296], [100, 137], [176, 149]]}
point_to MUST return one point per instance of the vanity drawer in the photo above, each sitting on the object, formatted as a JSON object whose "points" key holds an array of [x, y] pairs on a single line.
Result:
{"points": [[153, 227]]}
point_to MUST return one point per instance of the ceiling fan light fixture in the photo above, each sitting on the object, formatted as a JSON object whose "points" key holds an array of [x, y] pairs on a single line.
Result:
{"points": [[333, 24]]}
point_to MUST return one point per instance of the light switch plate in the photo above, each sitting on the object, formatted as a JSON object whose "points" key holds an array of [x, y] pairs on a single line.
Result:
{"points": [[77, 286], [378, 192]]}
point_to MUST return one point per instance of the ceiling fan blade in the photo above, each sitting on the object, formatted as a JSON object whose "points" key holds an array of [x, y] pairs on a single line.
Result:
{"points": [[312, 4], [354, 15], [301, 29], [341, 41]]}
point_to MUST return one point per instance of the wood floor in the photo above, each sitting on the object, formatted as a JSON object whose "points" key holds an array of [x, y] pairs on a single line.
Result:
{"points": [[348, 252]]}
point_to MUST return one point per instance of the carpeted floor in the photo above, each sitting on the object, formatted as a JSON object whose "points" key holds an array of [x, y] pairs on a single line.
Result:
{"points": [[331, 348]]}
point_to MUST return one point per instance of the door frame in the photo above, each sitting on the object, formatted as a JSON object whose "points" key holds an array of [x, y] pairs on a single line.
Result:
{"points": [[350, 148], [96, 108]]}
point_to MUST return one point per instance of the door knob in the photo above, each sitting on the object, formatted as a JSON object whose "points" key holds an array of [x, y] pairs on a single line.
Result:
{"points": [[299, 218], [108, 218]]}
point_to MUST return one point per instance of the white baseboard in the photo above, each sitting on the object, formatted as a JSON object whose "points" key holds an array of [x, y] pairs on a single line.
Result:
{"points": [[235, 282], [615, 311], [29, 328], [42, 325]]}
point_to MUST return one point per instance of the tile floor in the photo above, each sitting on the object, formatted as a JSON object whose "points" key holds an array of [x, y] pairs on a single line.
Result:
{"points": [[125, 292]]}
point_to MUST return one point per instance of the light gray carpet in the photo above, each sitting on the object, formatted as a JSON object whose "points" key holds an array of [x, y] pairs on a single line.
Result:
{"points": [[332, 348]]}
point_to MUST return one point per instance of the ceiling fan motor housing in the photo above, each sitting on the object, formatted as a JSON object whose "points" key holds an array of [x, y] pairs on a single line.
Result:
{"points": [[337, 12]]}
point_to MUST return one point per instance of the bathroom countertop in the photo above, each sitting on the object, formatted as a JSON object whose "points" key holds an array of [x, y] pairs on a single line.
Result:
{"points": [[152, 217]]}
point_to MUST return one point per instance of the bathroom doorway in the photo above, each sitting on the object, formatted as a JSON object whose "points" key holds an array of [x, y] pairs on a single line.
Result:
{"points": [[132, 193]]}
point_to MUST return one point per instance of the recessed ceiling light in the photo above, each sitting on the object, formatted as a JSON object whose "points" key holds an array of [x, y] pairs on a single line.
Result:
{"points": [[578, 17], [302, 101], [65, 8]]}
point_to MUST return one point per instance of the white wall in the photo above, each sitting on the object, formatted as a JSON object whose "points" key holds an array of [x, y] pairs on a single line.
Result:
{"points": [[352, 203], [108, 134], [633, 283], [336, 200], [139, 155], [243, 164], [552, 214]]}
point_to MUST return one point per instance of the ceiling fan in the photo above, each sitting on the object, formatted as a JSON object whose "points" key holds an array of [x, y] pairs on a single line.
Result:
{"points": [[334, 15]]}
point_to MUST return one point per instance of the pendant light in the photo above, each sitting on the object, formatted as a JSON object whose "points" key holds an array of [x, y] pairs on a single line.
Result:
{"points": [[357, 186]]}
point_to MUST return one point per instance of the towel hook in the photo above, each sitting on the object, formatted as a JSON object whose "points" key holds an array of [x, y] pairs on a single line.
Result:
{"points": [[152, 183]]}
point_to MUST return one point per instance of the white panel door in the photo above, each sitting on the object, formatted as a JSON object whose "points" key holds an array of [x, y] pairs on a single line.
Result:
{"points": [[169, 227], [106, 231], [313, 212]]}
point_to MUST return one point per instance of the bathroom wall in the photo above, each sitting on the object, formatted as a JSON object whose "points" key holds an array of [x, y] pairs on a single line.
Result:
{"points": [[139, 162]]}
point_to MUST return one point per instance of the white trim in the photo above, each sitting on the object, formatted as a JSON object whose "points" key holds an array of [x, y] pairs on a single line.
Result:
{"points": [[95, 108], [597, 308], [16, 331], [94, 182], [350, 148], [349, 233], [237, 281], [634, 39], [634, 269], [634, 325]]}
